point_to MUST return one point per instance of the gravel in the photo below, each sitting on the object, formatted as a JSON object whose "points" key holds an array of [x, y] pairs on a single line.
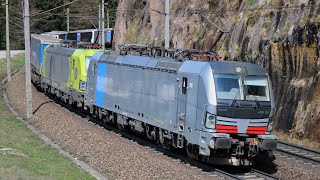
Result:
{"points": [[293, 168], [108, 152], [115, 156]]}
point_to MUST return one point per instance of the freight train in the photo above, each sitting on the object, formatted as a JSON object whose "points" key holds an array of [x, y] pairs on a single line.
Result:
{"points": [[215, 111]]}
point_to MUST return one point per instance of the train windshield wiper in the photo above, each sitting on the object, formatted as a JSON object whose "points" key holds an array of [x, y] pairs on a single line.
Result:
{"points": [[251, 94], [235, 98]]}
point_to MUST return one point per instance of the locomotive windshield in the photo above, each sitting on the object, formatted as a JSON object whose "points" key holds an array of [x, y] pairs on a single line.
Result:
{"points": [[235, 87], [227, 86], [257, 88]]}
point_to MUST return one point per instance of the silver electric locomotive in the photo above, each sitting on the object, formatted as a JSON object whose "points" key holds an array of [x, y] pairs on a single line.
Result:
{"points": [[214, 110]]}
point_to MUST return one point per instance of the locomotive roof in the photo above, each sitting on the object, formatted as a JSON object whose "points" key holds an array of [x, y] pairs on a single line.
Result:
{"points": [[61, 50], [233, 67], [142, 61], [168, 64], [46, 39], [55, 32], [87, 30]]}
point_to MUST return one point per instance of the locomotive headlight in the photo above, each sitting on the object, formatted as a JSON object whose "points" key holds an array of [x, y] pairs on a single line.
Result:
{"points": [[210, 121], [269, 129], [212, 143], [82, 85]]}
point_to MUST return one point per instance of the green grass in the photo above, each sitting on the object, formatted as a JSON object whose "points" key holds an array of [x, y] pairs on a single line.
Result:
{"points": [[287, 137], [16, 63], [22, 154]]}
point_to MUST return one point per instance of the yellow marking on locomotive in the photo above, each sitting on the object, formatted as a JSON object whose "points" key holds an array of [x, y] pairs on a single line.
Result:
{"points": [[77, 68], [44, 60]]}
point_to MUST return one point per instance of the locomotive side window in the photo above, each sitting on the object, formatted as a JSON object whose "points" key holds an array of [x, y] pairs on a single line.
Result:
{"points": [[184, 85], [62, 36], [72, 36], [86, 36]]}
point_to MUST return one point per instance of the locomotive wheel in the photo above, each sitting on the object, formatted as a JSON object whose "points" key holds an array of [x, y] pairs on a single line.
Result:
{"points": [[105, 119], [120, 127], [111, 119], [191, 152], [165, 145], [70, 100], [148, 132], [100, 116]]}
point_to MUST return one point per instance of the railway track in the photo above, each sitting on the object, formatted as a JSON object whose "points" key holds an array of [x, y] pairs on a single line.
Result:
{"points": [[257, 175], [299, 152], [249, 173], [210, 169]]}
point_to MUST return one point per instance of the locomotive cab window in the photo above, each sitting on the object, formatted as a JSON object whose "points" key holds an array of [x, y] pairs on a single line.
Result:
{"points": [[184, 85], [257, 88], [228, 86]]}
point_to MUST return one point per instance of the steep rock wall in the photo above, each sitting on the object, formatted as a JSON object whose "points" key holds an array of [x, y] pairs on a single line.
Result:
{"points": [[283, 36]]}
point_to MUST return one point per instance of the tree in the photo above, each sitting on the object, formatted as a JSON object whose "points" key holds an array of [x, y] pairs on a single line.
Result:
{"points": [[112, 6], [51, 21], [82, 14], [2, 28]]}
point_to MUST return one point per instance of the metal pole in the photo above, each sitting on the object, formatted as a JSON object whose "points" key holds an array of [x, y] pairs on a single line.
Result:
{"points": [[27, 58], [8, 43], [68, 19], [166, 25], [100, 41], [108, 20], [102, 24]]}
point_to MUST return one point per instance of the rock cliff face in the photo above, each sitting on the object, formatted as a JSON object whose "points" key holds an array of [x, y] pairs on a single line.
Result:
{"points": [[283, 36]]}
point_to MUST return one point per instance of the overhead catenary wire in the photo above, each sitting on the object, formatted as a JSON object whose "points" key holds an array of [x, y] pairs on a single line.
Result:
{"points": [[16, 24], [256, 8], [42, 12]]}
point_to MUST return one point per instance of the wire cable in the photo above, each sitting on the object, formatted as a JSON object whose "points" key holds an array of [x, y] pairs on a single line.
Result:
{"points": [[42, 12]]}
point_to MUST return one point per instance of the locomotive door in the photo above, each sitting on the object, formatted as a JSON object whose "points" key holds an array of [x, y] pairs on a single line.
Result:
{"points": [[182, 102]]}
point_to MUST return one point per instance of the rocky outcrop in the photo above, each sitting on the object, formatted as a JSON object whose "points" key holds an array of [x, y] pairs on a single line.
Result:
{"points": [[283, 36]]}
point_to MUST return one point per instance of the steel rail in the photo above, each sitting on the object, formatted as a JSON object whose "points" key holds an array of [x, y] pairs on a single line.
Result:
{"points": [[263, 175], [298, 151]]}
